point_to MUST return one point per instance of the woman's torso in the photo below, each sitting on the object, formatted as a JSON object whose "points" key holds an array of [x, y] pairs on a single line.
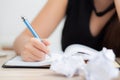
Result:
{"points": [[76, 29]]}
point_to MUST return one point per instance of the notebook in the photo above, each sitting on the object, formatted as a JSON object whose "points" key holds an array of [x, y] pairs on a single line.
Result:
{"points": [[17, 62], [81, 50]]}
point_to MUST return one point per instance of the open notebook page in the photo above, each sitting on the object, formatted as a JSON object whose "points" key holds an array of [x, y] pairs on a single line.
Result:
{"points": [[18, 62]]}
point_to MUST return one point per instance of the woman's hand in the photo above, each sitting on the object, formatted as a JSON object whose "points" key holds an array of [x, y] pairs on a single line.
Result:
{"points": [[34, 50]]}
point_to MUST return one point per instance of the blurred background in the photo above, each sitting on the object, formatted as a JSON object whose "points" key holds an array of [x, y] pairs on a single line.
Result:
{"points": [[11, 24]]}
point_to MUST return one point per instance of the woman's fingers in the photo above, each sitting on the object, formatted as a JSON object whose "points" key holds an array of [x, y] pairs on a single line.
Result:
{"points": [[26, 56], [35, 50], [40, 45], [46, 42]]}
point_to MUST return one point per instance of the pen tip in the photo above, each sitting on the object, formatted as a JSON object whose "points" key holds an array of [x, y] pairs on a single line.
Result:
{"points": [[22, 18]]}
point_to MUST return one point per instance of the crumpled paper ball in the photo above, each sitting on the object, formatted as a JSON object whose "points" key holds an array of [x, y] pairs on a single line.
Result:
{"points": [[99, 67], [68, 65]]}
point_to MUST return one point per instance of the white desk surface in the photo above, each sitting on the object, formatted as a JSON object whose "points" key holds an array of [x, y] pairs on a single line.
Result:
{"points": [[29, 74]]}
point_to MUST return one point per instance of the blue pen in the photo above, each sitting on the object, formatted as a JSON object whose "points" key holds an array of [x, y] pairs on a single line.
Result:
{"points": [[30, 28]]}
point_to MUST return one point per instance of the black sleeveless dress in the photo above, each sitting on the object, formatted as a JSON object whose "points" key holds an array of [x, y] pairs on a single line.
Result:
{"points": [[76, 29]]}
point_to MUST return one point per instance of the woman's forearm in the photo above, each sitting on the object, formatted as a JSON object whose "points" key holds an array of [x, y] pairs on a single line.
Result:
{"points": [[44, 23]]}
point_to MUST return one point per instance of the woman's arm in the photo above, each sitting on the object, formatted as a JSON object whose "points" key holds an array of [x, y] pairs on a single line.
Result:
{"points": [[117, 5], [47, 20], [44, 24]]}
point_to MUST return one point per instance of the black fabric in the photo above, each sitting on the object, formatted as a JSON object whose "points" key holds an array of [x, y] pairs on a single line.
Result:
{"points": [[76, 29]]}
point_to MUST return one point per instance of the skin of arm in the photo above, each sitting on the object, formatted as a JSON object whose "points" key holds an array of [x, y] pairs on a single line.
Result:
{"points": [[44, 24], [117, 5]]}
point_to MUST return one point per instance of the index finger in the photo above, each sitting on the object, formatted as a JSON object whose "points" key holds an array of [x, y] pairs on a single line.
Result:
{"points": [[40, 45]]}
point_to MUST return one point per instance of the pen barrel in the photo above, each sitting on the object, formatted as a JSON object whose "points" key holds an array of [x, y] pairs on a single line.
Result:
{"points": [[31, 29]]}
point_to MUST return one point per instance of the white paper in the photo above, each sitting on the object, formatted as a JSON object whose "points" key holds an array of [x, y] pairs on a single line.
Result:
{"points": [[99, 67], [17, 61], [81, 50], [68, 65]]}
